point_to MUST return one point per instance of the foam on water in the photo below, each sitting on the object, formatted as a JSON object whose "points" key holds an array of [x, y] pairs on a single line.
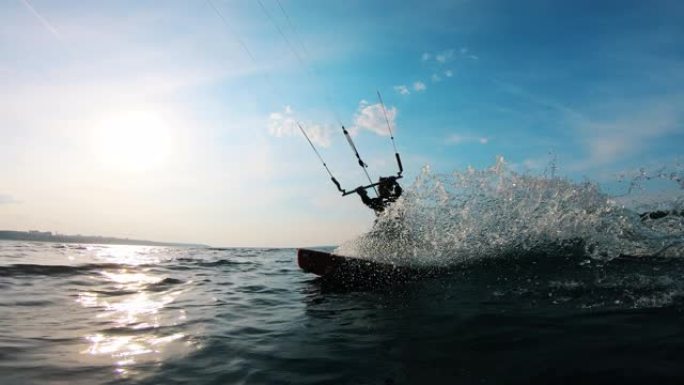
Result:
{"points": [[475, 214]]}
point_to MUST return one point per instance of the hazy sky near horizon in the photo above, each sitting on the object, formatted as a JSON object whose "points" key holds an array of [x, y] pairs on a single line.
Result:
{"points": [[163, 121]]}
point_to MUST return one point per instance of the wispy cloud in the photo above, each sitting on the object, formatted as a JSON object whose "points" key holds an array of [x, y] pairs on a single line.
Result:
{"points": [[456, 139], [447, 56], [371, 117], [402, 89], [609, 140], [465, 52], [282, 124], [439, 64], [417, 86], [613, 130], [444, 56]]}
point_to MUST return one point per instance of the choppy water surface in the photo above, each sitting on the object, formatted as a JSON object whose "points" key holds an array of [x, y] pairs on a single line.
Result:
{"points": [[554, 283]]}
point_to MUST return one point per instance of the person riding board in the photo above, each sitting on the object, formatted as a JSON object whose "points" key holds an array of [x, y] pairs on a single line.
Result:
{"points": [[389, 191]]}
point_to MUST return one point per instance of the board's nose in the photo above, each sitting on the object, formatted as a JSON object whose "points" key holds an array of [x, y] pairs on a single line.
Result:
{"points": [[316, 262]]}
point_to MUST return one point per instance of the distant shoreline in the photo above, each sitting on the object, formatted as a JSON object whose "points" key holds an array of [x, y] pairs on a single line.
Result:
{"points": [[46, 236]]}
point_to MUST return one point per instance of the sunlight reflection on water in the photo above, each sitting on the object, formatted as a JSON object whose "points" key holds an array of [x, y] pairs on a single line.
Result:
{"points": [[131, 255], [136, 325]]}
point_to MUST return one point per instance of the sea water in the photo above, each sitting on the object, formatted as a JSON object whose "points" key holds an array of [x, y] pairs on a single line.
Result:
{"points": [[556, 283]]}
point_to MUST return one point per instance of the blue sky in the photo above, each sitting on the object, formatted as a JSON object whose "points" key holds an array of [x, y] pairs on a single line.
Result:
{"points": [[159, 120]]}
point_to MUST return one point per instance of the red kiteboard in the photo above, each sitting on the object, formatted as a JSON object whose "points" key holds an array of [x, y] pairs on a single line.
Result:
{"points": [[354, 270], [324, 264]]}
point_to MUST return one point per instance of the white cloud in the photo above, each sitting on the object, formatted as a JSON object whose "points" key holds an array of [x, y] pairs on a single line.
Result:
{"points": [[447, 56], [456, 139], [372, 118], [439, 62], [319, 134], [282, 124], [444, 56], [402, 90]]}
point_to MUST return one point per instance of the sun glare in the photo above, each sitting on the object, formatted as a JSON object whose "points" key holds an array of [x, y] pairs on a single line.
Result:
{"points": [[133, 141]]}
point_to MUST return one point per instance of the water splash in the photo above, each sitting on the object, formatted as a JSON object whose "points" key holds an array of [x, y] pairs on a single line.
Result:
{"points": [[474, 214]]}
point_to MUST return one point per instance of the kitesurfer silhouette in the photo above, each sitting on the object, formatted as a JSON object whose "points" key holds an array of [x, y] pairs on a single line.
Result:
{"points": [[389, 191]]}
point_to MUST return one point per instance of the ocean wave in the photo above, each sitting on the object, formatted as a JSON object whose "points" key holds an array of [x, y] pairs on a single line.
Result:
{"points": [[222, 262], [163, 285], [55, 270]]}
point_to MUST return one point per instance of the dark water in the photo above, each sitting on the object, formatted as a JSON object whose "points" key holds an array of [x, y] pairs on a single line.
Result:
{"points": [[89, 314]]}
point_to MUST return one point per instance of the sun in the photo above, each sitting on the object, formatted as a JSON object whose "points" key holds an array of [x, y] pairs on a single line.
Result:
{"points": [[133, 141]]}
